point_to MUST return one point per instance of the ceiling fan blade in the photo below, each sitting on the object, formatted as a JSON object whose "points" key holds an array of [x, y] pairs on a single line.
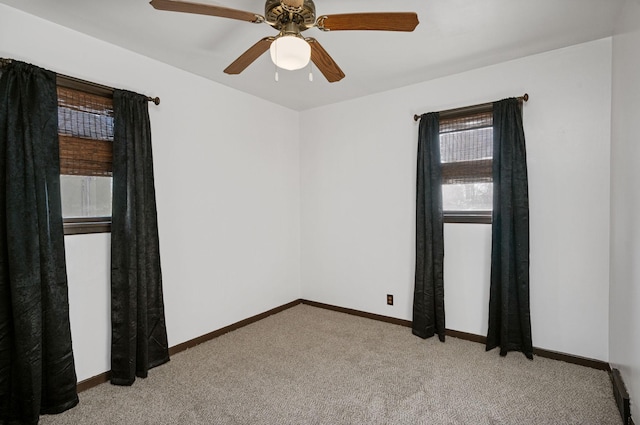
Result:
{"points": [[205, 9], [324, 62], [248, 57], [380, 21]]}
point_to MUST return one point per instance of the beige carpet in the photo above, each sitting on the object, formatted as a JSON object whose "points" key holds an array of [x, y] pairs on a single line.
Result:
{"points": [[312, 366]]}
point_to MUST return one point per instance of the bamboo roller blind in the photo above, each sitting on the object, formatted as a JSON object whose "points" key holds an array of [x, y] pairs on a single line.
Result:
{"points": [[466, 148], [85, 132]]}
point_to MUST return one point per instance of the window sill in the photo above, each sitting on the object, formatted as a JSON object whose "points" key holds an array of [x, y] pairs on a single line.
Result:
{"points": [[483, 217], [83, 226]]}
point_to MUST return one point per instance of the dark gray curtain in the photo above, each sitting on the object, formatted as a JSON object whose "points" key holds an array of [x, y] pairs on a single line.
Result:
{"points": [[428, 296], [37, 372], [139, 334], [509, 316]]}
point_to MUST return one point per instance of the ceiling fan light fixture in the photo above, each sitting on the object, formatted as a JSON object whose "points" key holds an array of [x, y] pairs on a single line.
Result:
{"points": [[290, 52]]}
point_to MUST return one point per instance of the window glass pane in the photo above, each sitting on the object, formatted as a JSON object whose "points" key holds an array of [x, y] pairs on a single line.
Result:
{"points": [[85, 196], [467, 197]]}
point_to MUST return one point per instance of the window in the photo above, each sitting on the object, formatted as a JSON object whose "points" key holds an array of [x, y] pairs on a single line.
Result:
{"points": [[466, 155], [85, 132]]}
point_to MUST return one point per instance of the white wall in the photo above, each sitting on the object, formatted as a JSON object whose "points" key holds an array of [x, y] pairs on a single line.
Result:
{"points": [[233, 196], [624, 318], [227, 185], [358, 166]]}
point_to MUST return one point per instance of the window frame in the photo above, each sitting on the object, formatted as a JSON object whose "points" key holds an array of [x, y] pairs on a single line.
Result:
{"points": [[476, 216], [468, 216], [85, 225]]}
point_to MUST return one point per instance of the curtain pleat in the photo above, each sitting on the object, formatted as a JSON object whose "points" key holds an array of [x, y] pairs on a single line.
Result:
{"points": [[37, 372], [139, 335], [428, 297], [509, 315]]}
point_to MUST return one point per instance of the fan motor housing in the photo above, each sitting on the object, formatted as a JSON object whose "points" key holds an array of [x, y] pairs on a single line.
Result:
{"points": [[277, 15]]}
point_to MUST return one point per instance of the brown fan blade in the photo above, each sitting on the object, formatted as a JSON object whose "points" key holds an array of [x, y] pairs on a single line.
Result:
{"points": [[324, 62], [248, 57], [393, 21], [205, 9]]}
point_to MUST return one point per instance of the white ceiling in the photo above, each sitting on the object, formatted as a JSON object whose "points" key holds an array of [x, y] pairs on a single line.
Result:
{"points": [[453, 36]]}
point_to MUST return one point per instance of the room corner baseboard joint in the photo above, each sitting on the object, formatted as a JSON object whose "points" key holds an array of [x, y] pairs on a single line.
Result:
{"points": [[621, 396]]}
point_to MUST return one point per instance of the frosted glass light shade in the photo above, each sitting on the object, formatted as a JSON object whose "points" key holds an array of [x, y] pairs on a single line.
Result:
{"points": [[290, 52]]}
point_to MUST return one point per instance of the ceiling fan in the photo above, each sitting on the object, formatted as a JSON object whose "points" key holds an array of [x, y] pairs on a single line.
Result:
{"points": [[289, 49]]}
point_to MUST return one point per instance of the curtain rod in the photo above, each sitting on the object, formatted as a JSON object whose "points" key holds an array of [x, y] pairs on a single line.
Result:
{"points": [[449, 113], [79, 84]]}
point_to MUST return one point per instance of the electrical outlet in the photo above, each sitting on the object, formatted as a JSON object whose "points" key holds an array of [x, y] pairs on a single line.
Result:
{"points": [[389, 299]]}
